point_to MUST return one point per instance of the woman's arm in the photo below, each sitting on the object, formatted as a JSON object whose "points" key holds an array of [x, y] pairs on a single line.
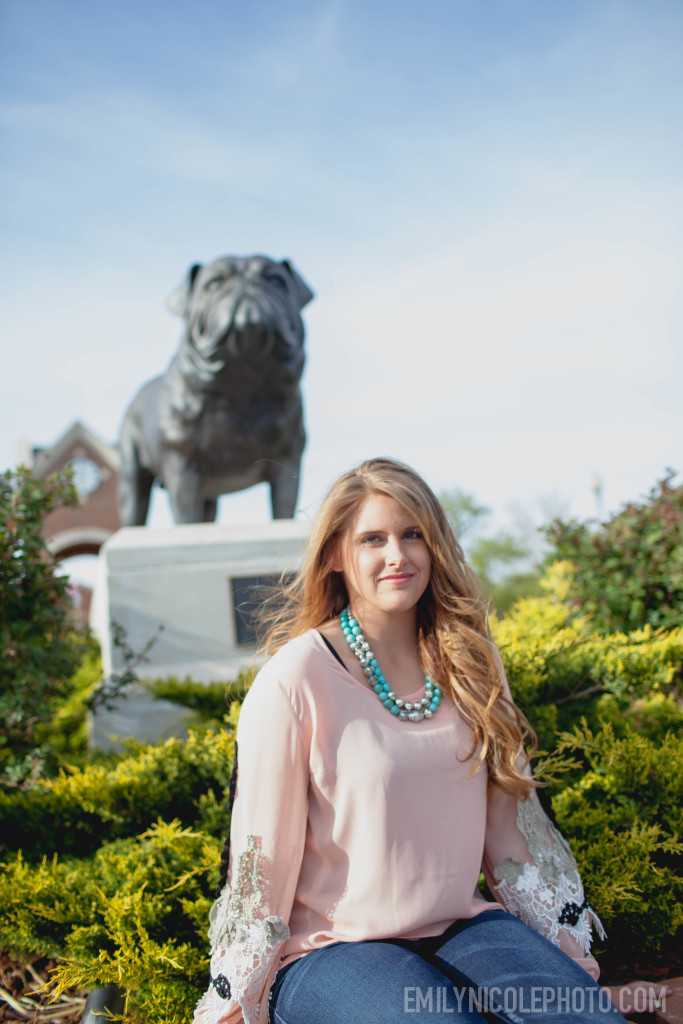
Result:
{"points": [[249, 920], [530, 869]]}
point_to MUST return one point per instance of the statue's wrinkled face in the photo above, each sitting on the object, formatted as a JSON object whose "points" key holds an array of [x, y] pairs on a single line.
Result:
{"points": [[246, 309]]}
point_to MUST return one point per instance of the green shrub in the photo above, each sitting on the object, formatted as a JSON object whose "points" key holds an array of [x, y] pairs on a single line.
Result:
{"points": [[111, 905], [623, 817], [39, 650], [65, 736], [135, 915], [560, 670], [210, 701], [628, 570], [78, 810], [611, 704]]}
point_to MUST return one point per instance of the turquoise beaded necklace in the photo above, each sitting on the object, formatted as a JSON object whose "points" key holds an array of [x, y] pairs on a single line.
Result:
{"points": [[405, 711]]}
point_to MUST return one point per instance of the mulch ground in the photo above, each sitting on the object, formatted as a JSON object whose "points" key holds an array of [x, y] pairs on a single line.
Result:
{"points": [[26, 994]]}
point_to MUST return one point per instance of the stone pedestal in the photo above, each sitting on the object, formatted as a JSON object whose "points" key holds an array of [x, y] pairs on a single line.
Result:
{"points": [[200, 583]]}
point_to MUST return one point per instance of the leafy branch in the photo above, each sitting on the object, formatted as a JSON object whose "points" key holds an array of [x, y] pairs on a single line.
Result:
{"points": [[112, 687]]}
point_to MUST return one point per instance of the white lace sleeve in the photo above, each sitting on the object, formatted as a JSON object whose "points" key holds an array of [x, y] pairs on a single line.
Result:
{"points": [[245, 949], [546, 894]]}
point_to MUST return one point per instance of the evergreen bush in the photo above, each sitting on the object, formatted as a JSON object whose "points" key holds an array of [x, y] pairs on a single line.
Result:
{"points": [[628, 570], [80, 884], [39, 649], [209, 701], [623, 816], [64, 737], [609, 706], [75, 812], [134, 915], [560, 670]]}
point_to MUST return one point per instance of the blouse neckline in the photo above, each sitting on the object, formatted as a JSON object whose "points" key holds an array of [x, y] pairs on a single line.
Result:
{"points": [[331, 649]]}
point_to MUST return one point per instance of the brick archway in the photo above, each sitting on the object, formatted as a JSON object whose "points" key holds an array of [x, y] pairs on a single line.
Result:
{"points": [[81, 530], [86, 540], [69, 532]]}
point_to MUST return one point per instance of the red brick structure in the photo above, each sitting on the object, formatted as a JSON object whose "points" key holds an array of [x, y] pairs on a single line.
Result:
{"points": [[81, 530]]}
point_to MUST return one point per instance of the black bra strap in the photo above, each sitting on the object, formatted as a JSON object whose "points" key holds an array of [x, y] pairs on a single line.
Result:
{"points": [[329, 645]]}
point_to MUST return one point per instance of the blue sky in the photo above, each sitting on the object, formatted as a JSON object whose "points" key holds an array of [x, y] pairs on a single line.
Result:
{"points": [[484, 195]]}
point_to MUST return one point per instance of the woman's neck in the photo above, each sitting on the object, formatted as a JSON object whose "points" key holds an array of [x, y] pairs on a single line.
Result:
{"points": [[393, 640]]}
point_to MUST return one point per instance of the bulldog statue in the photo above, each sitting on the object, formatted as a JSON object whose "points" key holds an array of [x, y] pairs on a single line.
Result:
{"points": [[227, 414]]}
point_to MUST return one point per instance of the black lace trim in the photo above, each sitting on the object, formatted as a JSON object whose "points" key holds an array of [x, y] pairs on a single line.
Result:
{"points": [[222, 986], [571, 912]]}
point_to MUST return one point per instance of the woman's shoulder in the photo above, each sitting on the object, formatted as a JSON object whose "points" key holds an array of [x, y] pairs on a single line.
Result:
{"points": [[294, 670], [296, 654]]}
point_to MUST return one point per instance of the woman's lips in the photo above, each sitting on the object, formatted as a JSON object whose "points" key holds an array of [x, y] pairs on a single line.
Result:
{"points": [[397, 577]]}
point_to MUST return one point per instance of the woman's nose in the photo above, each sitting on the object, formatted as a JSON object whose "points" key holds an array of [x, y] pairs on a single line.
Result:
{"points": [[394, 555]]}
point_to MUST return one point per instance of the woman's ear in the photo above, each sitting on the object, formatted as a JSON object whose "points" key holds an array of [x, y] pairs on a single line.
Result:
{"points": [[333, 557]]}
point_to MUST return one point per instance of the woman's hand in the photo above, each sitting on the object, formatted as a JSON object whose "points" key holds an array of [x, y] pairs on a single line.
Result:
{"points": [[638, 997]]}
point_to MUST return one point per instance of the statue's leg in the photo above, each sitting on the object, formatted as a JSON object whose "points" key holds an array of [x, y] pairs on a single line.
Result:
{"points": [[284, 489], [144, 484], [135, 485], [184, 486], [210, 508]]}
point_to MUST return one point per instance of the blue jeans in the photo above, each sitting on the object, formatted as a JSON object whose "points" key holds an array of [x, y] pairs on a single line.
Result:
{"points": [[492, 967]]}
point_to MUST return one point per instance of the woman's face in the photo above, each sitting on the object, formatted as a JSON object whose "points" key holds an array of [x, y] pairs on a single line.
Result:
{"points": [[384, 558]]}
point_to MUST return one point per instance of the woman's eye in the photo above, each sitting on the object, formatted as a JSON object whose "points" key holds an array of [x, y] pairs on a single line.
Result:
{"points": [[370, 538], [413, 534]]}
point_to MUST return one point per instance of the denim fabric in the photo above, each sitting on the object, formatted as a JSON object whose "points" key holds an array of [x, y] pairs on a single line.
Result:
{"points": [[492, 967]]}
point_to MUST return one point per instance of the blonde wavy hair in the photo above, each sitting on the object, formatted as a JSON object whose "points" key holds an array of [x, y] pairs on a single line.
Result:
{"points": [[454, 641]]}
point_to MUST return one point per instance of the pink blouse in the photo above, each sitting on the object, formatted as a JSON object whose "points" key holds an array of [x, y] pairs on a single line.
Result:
{"points": [[349, 824]]}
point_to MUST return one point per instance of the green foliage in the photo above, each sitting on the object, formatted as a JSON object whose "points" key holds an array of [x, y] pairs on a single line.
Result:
{"points": [[50, 673], [95, 877], [78, 810], [610, 706], [38, 648], [135, 914], [628, 570], [512, 587], [209, 701], [112, 905], [651, 716], [560, 670], [65, 736], [623, 816]]}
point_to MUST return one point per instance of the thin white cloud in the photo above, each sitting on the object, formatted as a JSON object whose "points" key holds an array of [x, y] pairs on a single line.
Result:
{"points": [[307, 53]]}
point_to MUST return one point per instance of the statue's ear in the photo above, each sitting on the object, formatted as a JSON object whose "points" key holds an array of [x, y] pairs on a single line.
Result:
{"points": [[179, 300], [301, 290]]}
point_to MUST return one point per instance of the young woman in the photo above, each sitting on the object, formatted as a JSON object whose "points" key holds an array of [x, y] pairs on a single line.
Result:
{"points": [[381, 767]]}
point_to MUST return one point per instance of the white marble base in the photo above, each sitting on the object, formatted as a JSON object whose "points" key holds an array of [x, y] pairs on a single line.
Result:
{"points": [[180, 578]]}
